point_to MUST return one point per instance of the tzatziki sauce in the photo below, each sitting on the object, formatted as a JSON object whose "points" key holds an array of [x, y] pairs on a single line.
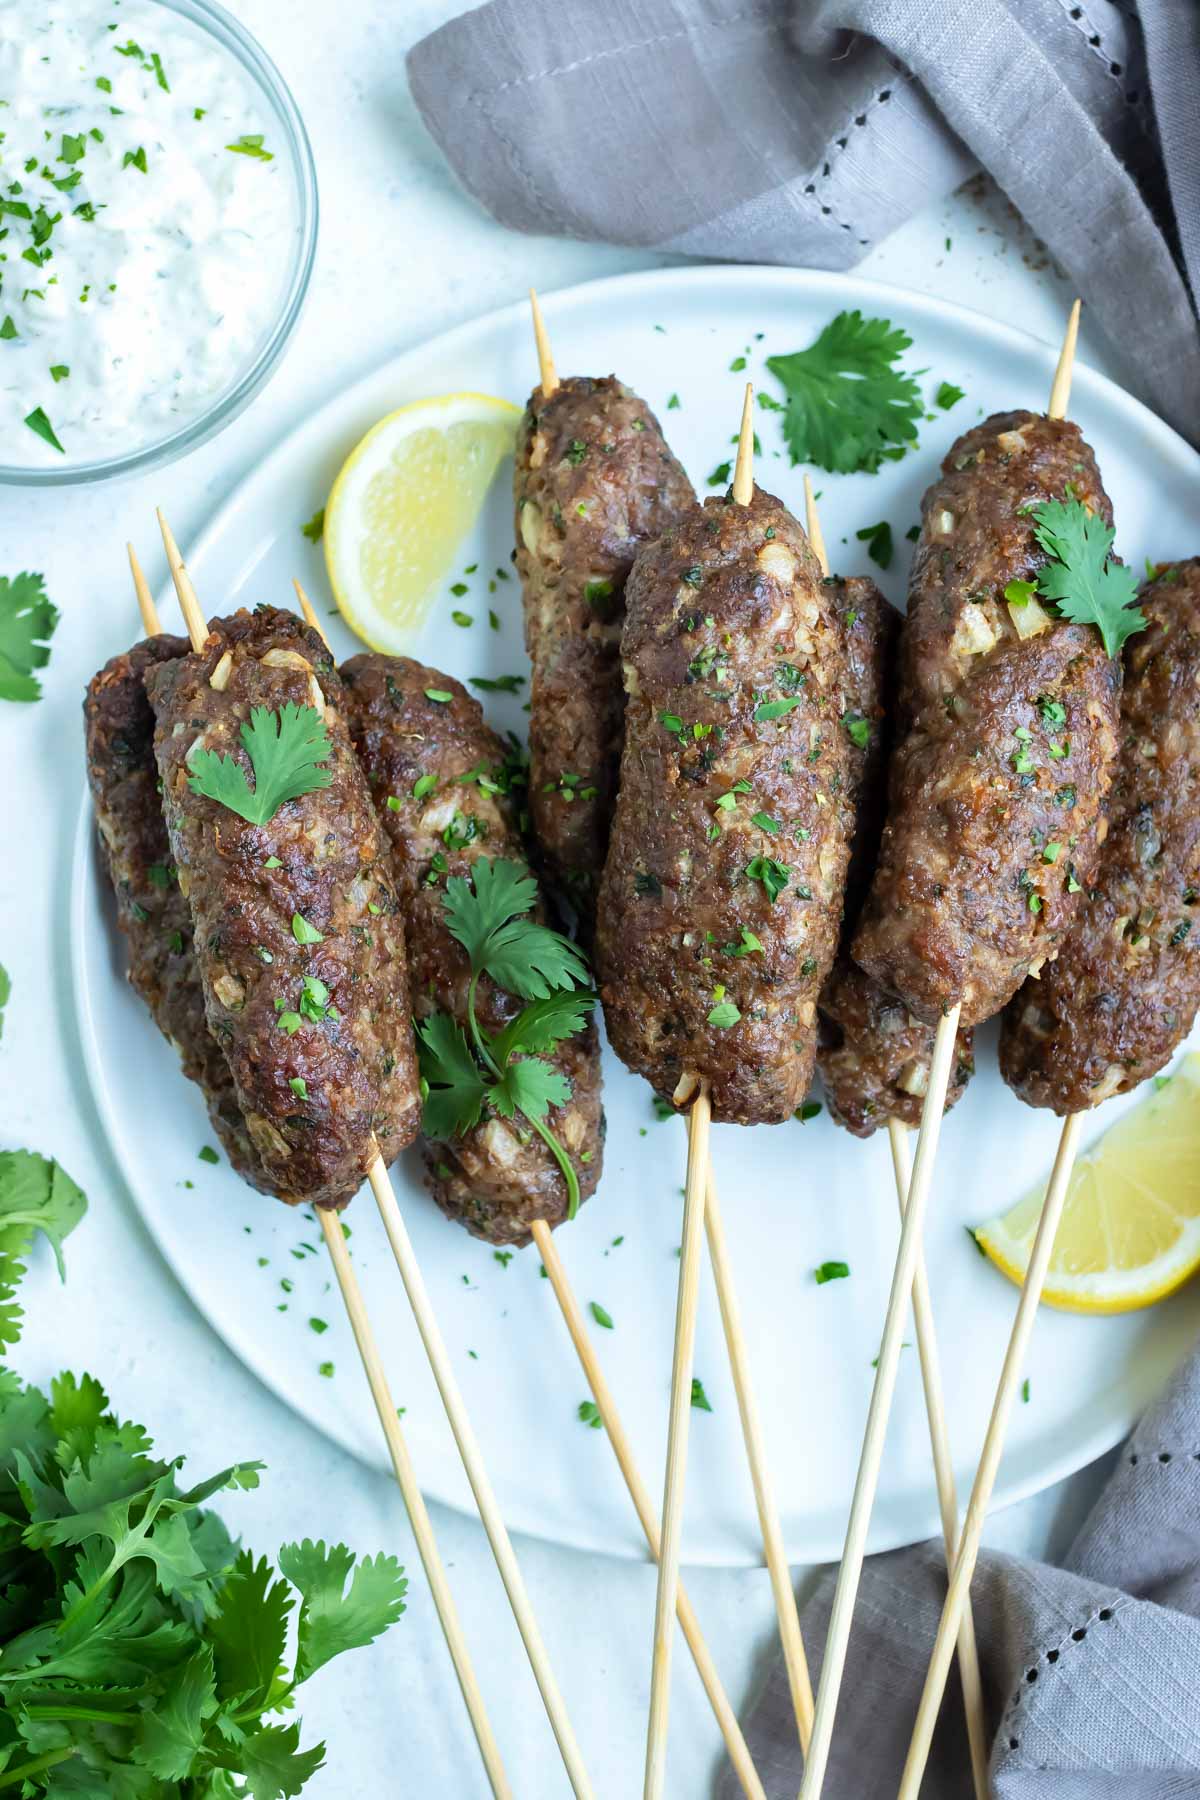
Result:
{"points": [[148, 226]]}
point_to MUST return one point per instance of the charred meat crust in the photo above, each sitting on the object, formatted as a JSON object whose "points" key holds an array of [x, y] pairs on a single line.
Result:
{"points": [[1010, 741], [355, 1059], [872, 1055], [594, 481], [724, 879], [1126, 984], [496, 1179], [151, 911]]}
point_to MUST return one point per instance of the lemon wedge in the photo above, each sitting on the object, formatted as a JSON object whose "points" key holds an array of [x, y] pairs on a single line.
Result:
{"points": [[404, 499], [1130, 1229]]}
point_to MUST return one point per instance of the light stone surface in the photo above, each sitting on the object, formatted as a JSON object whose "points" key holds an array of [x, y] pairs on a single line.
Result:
{"points": [[403, 255]]}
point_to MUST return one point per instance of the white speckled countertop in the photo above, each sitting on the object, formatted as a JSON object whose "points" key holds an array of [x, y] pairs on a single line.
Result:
{"points": [[423, 259]]}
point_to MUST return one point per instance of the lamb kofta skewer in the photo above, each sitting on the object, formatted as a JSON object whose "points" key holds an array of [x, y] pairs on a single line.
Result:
{"points": [[119, 730], [193, 833], [871, 628], [594, 481], [1122, 994], [711, 948], [625, 468], [492, 1187], [966, 795]]}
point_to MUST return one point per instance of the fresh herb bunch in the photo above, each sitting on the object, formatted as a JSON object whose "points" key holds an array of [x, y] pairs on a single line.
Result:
{"points": [[1081, 580], [285, 750], [506, 1071], [142, 1654], [849, 406]]}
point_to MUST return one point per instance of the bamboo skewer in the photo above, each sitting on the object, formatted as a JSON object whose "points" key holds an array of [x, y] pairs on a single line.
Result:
{"points": [[1018, 1343], [927, 1351], [882, 1392], [679, 1419], [406, 1479], [435, 1350], [943, 1472], [735, 1743], [460, 1425], [543, 1237], [548, 376]]}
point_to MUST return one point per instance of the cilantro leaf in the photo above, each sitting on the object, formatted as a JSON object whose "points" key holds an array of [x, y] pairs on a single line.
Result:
{"points": [[520, 956], [1085, 584], [249, 1631], [36, 1194], [531, 1085], [501, 890], [878, 539], [544, 1023], [27, 620], [848, 404], [532, 961], [274, 1764], [285, 749], [334, 1618], [172, 1735], [455, 1088]]}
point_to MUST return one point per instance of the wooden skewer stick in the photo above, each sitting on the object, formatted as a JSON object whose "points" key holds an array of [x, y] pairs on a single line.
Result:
{"points": [[464, 1435], [548, 373], [786, 1610], [931, 1378], [141, 587], [414, 1503], [695, 1196], [543, 1237], [882, 1392], [989, 1463], [368, 1349], [439, 1361], [943, 1472], [1018, 1343], [666, 1599], [735, 1743]]}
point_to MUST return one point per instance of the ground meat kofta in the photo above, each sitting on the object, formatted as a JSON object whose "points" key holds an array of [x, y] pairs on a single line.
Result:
{"points": [[448, 791], [594, 481], [722, 893], [151, 911], [1008, 718], [873, 1056], [298, 935], [1125, 987]]}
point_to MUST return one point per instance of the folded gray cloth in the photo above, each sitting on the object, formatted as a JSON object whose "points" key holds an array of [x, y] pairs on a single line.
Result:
{"points": [[1091, 1671], [801, 131]]}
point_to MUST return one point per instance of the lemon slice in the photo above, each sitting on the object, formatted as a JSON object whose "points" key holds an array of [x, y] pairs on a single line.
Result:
{"points": [[1130, 1229], [405, 498]]}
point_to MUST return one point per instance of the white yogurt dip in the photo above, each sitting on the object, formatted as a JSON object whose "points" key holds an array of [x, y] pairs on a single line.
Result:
{"points": [[149, 225]]}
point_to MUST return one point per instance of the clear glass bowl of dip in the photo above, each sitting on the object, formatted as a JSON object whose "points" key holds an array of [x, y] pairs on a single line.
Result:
{"points": [[293, 145]]}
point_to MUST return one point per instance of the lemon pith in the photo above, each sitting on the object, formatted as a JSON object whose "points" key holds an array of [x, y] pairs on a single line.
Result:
{"points": [[402, 503], [1130, 1228]]}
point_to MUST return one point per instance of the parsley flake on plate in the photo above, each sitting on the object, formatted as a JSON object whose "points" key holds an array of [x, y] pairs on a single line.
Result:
{"points": [[601, 1315], [878, 539], [286, 749], [831, 1271], [848, 403], [699, 1398], [314, 531]]}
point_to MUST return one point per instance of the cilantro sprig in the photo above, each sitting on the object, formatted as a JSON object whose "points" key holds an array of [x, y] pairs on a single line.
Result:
{"points": [[143, 1652], [286, 749], [848, 405], [27, 621], [461, 1074], [1081, 579]]}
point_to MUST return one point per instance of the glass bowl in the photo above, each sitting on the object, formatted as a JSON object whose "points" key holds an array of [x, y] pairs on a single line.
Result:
{"points": [[213, 19]]}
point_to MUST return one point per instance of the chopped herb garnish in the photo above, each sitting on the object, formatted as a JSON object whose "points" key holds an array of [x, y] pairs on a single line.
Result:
{"points": [[298, 1086], [252, 145], [439, 695], [314, 531], [699, 1397], [135, 159], [600, 1315], [948, 395], [303, 932], [878, 539], [286, 750], [589, 1414], [831, 1271], [207, 1154], [773, 875], [723, 1015], [40, 424], [501, 684], [857, 729], [775, 709]]}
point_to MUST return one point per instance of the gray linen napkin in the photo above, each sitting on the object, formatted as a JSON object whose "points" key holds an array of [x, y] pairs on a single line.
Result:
{"points": [[801, 131], [1091, 1671]]}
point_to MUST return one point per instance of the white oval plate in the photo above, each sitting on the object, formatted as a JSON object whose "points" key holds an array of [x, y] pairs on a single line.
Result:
{"points": [[795, 1196]]}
